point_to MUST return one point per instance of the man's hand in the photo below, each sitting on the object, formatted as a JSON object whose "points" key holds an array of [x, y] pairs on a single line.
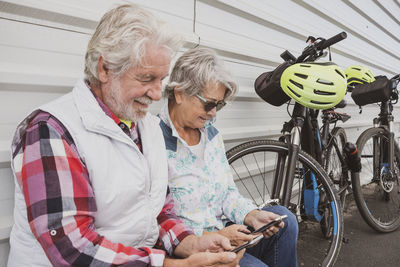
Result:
{"points": [[258, 218], [210, 250], [207, 259], [236, 233], [211, 242]]}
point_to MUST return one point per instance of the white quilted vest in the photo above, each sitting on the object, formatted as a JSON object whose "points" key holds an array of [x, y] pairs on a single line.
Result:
{"points": [[129, 187]]}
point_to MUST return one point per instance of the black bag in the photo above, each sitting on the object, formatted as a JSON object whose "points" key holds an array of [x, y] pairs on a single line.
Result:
{"points": [[268, 86], [377, 91]]}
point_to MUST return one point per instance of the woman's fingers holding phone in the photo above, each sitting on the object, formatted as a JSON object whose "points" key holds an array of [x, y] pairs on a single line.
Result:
{"points": [[272, 227], [236, 233], [270, 231]]}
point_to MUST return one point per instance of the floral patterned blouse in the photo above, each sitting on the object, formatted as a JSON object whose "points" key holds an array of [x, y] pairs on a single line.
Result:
{"points": [[202, 188]]}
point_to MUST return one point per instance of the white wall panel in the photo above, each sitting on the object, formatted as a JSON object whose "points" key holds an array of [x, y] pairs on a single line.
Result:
{"points": [[378, 16], [43, 42], [350, 18], [391, 8]]}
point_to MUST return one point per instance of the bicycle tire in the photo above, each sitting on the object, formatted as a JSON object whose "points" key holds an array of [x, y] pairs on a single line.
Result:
{"points": [[333, 165], [314, 249], [380, 209]]}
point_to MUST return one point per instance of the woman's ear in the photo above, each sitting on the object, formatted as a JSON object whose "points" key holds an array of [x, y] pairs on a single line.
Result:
{"points": [[178, 95], [102, 71]]}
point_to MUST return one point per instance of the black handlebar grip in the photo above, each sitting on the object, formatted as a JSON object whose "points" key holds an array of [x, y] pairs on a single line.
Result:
{"points": [[287, 56], [333, 40]]}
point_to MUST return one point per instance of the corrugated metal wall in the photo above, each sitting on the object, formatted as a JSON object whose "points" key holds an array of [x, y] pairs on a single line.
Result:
{"points": [[42, 46]]}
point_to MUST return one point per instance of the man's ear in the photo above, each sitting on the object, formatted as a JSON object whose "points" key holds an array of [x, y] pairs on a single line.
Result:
{"points": [[102, 71]]}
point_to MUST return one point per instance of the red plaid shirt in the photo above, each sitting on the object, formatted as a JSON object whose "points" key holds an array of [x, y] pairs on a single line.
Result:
{"points": [[51, 160]]}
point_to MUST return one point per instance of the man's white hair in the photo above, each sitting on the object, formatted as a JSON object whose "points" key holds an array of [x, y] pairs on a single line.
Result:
{"points": [[121, 38]]}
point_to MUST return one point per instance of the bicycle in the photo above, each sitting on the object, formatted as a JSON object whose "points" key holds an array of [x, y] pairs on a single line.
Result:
{"points": [[279, 172], [377, 186]]}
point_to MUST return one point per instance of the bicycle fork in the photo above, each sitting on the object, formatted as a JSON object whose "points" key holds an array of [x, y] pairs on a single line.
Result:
{"points": [[285, 176], [383, 151], [293, 154]]}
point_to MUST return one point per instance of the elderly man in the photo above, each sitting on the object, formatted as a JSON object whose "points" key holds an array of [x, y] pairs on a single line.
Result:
{"points": [[91, 167]]}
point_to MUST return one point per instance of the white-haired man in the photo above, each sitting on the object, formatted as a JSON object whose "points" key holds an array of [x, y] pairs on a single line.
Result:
{"points": [[91, 167]]}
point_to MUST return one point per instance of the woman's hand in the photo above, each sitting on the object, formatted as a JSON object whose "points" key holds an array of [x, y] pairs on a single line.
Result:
{"points": [[237, 234], [258, 218]]}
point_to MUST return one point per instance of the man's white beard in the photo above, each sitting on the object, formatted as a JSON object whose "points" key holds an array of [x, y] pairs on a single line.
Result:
{"points": [[122, 109]]}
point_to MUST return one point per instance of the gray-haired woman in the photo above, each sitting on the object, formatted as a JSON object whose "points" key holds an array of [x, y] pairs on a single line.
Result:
{"points": [[200, 179]]}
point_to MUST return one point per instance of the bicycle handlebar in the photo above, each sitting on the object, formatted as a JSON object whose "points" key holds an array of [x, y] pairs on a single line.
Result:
{"points": [[314, 50], [331, 41]]}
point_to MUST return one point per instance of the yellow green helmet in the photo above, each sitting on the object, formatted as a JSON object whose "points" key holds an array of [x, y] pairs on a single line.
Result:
{"points": [[356, 74], [314, 85]]}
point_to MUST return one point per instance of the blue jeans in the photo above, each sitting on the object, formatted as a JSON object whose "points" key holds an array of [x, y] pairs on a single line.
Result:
{"points": [[278, 250]]}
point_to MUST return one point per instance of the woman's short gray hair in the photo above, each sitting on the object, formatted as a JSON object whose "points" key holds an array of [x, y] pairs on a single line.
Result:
{"points": [[121, 37], [193, 72]]}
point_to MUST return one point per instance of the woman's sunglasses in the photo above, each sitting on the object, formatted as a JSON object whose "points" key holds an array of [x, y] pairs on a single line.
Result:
{"points": [[209, 105]]}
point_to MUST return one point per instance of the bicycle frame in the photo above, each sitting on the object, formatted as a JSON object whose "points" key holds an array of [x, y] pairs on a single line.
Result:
{"points": [[322, 138], [303, 119], [328, 139]]}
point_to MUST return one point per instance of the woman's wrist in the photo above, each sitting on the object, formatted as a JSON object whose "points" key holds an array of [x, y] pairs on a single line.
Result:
{"points": [[250, 217]]}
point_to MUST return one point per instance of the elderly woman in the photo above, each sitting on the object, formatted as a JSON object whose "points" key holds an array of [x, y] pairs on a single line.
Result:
{"points": [[200, 179]]}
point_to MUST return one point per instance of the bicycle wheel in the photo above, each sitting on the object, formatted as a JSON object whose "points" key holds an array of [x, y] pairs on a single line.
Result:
{"points": [[334, 163], [254, 164], [377, 191]]}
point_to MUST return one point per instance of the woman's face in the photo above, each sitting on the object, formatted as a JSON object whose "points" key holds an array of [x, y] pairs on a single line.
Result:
{"points": [[193, 112]]}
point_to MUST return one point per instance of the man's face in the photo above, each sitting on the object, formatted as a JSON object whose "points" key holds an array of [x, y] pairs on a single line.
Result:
{"points": [[129, 95]]}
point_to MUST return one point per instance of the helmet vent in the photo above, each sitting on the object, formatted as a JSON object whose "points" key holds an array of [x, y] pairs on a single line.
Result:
{"points": [[341, 74], [368, 74], [318, 92], [354, 68], [324, 82], [320, 103], [296, 84], [305, 66], [296, 94], [303, 76]]}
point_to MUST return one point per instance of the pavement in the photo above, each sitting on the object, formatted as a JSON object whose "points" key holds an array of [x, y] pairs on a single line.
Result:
{"points": [[364, 246]]}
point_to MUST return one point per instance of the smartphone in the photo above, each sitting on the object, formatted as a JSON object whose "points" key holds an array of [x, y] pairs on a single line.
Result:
{"points": [[270, 224], [260, 230], [254, 241]]}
